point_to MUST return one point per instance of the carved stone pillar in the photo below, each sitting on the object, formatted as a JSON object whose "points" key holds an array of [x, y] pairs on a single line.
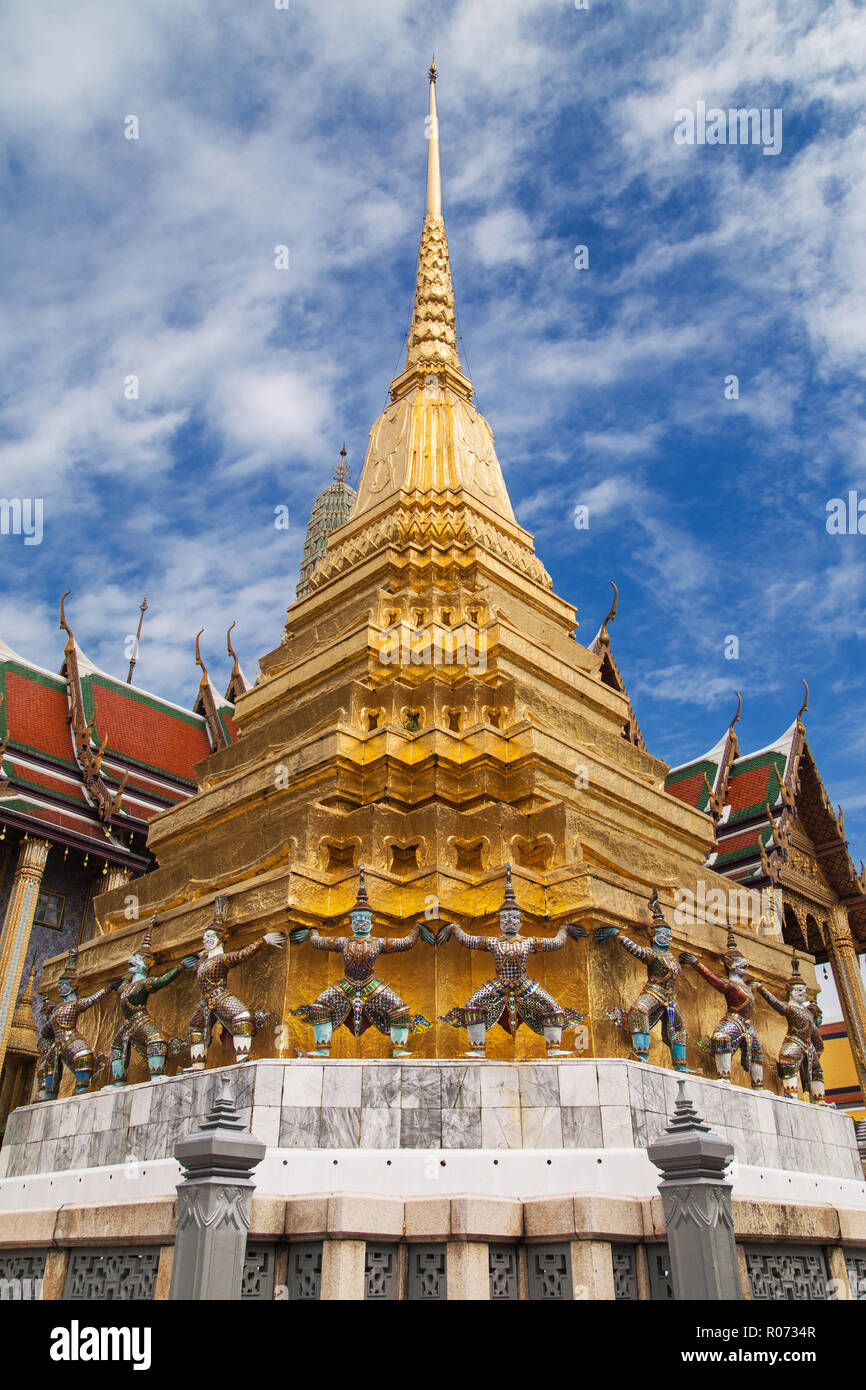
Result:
{"points": [[17, 925], [697, 1203], [214, 1200], [849, 986]]}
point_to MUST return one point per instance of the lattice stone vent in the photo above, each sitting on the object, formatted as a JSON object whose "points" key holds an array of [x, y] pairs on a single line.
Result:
{"points": [[427, 1278], [624, 1259], [549, 1271], [112, 1274], [502, 1264], [257, 1280], [661, 1284], [21, 1274], [787, 1273], [380, 1271], [855, 1263], [304, 1276]]}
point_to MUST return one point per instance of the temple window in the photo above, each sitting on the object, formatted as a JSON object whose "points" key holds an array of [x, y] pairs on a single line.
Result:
{"points": [[404, 859], [469, 856], [534, 854], [50, 908], [341, 856]]}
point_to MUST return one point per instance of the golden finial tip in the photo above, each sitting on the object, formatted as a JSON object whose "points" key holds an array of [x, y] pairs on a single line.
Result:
{"points": [[433, 72], [341, 471]]}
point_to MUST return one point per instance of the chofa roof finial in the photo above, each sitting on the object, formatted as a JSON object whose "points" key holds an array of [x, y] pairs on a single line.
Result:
{"points": [[805, 705], [236, 670], [205, 679], [63, 623]]}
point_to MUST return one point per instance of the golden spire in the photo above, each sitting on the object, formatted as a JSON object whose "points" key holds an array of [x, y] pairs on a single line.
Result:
{"points": [[341, 471], [434, 169], [432, 346], [432, 459]]}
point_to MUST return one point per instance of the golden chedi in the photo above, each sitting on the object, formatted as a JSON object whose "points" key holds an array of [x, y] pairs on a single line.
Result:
{"points": [[429, 714]]}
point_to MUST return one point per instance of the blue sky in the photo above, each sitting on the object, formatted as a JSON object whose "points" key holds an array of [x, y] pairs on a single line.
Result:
{"points": [[605, 386]]}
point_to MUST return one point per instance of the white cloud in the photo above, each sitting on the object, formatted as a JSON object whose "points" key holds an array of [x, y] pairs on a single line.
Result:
{"points": [[306, 127], [503, 238]]}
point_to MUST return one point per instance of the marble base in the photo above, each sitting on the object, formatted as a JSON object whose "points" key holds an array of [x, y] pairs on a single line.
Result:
{"points": [[573, 1124]]}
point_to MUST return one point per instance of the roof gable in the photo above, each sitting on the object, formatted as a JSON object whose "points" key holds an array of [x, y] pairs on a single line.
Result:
{"points": [[35, 711], [145, 730]]}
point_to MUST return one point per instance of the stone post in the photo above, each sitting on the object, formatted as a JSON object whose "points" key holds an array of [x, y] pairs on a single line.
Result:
{"points": [[697, 1204], [214, 1200]]}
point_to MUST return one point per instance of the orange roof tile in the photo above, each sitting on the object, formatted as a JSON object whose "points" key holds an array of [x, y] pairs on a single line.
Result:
{"points": [[160, 738], [36, 715], [689, 790], [749, 788]]}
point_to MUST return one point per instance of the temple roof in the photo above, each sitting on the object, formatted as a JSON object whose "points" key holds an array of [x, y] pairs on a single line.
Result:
{"points": [[755, 799], [88, 759]]}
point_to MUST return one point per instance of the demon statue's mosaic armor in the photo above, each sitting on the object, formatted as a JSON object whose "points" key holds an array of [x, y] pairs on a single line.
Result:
{"points": [[800, 1053], [360, 998], [511, 997], [657, 1000], [217, 1005], [138, 1029], [60, 1041], [736, 1029], [46, 1048]]}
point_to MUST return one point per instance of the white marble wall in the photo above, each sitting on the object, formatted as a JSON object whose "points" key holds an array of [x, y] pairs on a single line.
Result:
{"points": [[304, 1104]]}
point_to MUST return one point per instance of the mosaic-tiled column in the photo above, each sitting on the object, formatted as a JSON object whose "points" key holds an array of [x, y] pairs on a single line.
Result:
{"points": [[17, 925], [849, 985]]}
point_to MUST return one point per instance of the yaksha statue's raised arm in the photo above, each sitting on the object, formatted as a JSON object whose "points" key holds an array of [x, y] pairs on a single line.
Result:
{"points": [[138, 1029], [736, 1029], [60, 1042], [657, 1001], [511, 997], [800, 1053], [360, 998], [217, 1005]]}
